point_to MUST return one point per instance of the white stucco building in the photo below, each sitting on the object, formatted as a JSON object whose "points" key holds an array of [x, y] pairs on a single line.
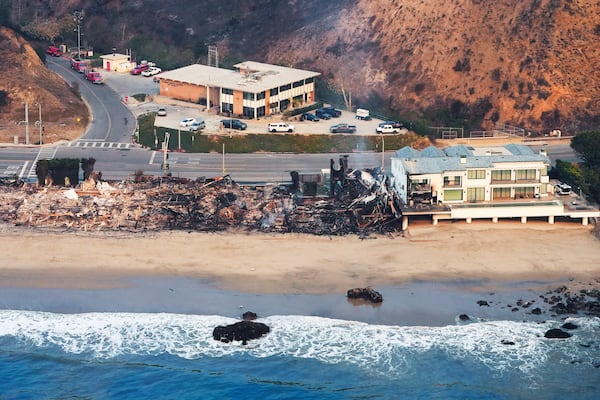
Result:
{"points": [[465, 182]]}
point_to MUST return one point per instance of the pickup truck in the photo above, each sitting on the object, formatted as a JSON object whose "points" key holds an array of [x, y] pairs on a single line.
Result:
{"points": [[343, 128], [390, 128]]}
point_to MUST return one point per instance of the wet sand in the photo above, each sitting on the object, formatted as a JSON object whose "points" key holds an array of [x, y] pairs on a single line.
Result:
{"points": [[427, 275]]}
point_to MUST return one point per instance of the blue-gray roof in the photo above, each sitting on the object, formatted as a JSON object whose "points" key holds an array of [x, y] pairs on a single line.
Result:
{"points": [[460, 158]]}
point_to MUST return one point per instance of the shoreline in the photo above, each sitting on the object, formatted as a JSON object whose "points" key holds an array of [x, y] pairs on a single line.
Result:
{"points": [[298, 263]]}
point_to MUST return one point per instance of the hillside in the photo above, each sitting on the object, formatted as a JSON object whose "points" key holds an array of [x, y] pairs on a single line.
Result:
{"points": [[25, 79], [460, 63]]}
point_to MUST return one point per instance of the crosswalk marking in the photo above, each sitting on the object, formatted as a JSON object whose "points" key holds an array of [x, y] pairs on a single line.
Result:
{"points": [[45, 153], [99, 144]]}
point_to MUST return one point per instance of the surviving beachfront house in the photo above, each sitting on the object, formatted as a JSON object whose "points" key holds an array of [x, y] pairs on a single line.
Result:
{"points": [[459, 174], [464, 182], [253, 90]]}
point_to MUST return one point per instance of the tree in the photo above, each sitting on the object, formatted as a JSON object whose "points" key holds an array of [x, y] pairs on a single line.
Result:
{"points": [[587, 146]]}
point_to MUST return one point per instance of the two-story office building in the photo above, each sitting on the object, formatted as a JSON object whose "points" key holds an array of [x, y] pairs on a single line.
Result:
{"points": [[252, 90]]}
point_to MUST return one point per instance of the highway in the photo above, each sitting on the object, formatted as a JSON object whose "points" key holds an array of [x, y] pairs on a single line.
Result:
{"points": [[108, 139]]}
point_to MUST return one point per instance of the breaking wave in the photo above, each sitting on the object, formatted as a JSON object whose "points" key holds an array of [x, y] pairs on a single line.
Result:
{"points": [[380, 349]]}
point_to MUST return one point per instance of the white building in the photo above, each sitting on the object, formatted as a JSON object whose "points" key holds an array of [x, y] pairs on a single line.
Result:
{"points": [[252, 90], [464, 182]]}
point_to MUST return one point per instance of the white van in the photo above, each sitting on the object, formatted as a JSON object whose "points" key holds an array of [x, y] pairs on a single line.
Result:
{"points": [[280, 127]]}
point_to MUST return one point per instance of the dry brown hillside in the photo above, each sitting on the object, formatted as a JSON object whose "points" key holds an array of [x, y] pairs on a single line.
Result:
{"points": [[471, 63], [26, 79], [528, 62]]}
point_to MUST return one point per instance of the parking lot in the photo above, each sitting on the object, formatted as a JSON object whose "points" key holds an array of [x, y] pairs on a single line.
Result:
{"points": [[127, 85]]}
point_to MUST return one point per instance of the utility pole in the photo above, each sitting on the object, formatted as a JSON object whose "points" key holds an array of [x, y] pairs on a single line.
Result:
{"points": [[223, 160], [78, 18], [165, 148], [382, 153], [26, 123], [39, 121]]}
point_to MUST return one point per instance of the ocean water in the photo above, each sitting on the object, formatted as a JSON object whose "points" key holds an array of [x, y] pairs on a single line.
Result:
{"points": [[125, 355]]}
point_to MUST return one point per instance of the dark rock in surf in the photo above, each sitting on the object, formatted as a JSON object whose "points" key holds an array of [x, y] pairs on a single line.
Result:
{"points": [[367, 294], [536, 311], [243, 330], [249, 316], [569, 326], [483, 303], [507, 342], [557, 334], [464, 317]]}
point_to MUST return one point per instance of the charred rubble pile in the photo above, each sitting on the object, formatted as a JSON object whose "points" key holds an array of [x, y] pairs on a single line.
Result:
{"points": [[361, 203]]}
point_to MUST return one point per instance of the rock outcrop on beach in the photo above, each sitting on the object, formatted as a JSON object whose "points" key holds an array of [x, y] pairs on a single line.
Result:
{"points": [[240, 331], [367, 294]]}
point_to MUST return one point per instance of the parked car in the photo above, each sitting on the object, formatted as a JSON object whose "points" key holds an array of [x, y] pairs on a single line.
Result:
{"points": [[309, 117], [187, 122], [342, 128], [332, 111], [321, 113], [234, 124], [197, 126], [151, 71], [280, 127], [563, 188], [161, 112]]}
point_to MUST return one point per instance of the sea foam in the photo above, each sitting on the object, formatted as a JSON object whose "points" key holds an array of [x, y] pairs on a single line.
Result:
{"points": [[379, 349]]}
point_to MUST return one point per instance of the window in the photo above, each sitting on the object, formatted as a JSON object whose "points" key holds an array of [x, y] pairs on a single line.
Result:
{"points": [[501, 193], [274, 92], [260, 96], [476, 174], [285, 87], [501, 175], [248, 96], [248, 112], [526, 174], [260, 112], [298, 84], [309, 80], [525, 193], [475, 194], [226, 107], [453, 194], [452, 181], [226, 91]]}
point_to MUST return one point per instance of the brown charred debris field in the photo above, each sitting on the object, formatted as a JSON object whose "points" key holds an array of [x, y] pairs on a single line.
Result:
{"points": [[362, 203]]}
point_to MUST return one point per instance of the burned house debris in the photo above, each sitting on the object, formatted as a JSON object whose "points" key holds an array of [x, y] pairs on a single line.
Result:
{"points": [[361, 202]]}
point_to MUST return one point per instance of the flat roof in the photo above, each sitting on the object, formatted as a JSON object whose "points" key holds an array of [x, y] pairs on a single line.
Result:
{"points": [[115, 56], [258, 78]]}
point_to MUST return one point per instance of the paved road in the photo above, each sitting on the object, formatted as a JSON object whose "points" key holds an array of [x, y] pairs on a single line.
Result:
{"points": [[111, 121], [108, 139]]}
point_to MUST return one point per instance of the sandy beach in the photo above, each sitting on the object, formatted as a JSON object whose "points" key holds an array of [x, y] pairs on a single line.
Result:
{"points": [[303, 264]]}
